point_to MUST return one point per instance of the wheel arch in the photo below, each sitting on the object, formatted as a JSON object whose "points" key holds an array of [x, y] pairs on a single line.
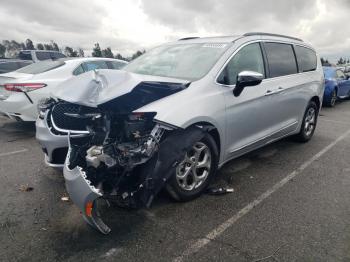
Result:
{"points": [[214, 132], [316, 99]]}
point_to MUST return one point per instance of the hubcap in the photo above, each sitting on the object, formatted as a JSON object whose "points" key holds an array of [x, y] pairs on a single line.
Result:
{"points": [[195, 168], [310, 121]]}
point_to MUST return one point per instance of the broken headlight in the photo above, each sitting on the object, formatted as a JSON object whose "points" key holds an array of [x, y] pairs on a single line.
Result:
{"points": [[44, 105]]}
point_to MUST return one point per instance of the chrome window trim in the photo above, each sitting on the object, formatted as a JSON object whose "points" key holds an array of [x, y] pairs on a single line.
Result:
{"points": [[262, 41]]}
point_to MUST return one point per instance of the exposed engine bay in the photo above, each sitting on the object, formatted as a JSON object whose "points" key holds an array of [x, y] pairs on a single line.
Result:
{"points": [[110, 154], [116, 153]]}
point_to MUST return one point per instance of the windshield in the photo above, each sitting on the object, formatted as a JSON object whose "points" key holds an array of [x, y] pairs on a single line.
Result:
{"points": [[183, 61], [329, 72], [40, 67]]}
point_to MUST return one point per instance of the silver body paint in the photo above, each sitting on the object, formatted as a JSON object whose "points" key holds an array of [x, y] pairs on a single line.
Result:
{"points": [[261, 115]]}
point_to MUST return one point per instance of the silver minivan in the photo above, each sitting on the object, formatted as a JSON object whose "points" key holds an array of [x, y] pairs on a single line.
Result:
{"points": [[179, 112]]}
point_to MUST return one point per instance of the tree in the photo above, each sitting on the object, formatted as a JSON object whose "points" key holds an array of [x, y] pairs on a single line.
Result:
{"points": [[2, 50], [54, 46], [68, 51], [107, 53], [137, 54], [40, 46], [80, 52], [12, 48], [29, 45], [48, 47], [341, 61], [120, 57], [96, 51]]}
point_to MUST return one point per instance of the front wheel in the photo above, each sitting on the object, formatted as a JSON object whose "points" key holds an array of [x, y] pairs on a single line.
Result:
{"points": [[193, 174], [309, 123], [333, 99]]}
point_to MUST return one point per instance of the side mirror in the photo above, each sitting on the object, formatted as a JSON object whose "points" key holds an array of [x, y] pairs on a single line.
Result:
{"points": [[247, 78]]}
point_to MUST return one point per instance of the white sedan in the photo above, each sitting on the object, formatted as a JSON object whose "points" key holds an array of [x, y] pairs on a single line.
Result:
{"points": [[22, 90]]}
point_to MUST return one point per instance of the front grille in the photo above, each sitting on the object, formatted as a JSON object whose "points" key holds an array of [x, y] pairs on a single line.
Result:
{"points": [[67, 123]]}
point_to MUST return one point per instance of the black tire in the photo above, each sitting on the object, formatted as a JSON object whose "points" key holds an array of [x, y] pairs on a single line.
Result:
{"points": [[177, 192], [333, 99], [305, 133]]}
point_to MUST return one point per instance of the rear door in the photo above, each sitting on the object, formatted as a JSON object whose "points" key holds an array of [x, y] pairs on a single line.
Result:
{"points": [[285, 88]]}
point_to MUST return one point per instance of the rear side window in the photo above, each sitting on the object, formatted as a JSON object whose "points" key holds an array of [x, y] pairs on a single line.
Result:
{"points": [[25, 55], [43, 55], [8, 67], [249, 58], [116, 65], [281, 59], [56, 55], [307, 60], [92, 65], [41, 67], [79, 70]]}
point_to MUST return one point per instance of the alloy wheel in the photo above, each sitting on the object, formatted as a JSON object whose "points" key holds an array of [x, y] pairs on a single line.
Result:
{"points": [[195, 168], [310, 121]]}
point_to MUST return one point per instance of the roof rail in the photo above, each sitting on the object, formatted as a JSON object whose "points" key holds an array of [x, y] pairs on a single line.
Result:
{"points": [[269, 34], [188, 38]]}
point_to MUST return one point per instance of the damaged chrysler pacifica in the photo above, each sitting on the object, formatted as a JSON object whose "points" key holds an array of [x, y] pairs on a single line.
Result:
{"points": [[176, 114]]}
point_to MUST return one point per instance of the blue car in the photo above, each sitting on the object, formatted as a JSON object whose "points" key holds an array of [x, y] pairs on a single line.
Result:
{"points": [[337, 85]]}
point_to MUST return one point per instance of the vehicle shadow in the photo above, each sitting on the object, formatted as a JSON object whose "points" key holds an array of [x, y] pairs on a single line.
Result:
{"points": [[14, 130]]}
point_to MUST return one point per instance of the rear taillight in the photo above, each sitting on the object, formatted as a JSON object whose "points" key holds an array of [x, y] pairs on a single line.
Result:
{"points": [[23, 87]]}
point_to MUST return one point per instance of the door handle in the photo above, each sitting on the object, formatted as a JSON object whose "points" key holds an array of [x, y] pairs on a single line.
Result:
{"points": [[273, 92]]}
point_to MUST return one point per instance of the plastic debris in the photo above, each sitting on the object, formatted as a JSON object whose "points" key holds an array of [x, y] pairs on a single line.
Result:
{"points": [[26, 188], [65, 198], [219, 191]]}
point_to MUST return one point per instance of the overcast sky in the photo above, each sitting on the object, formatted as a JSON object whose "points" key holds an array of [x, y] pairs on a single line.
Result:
{"points": [[128, 25]]}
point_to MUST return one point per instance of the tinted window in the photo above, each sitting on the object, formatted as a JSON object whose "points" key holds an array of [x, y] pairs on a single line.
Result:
{"points": [[22, 64], [306, 57], [25, 55], [249, 58], [79, 70], [43, 55], [281, 59], [8, 67], [92, 65], [116, 65], [40, 67], [57, 55]]}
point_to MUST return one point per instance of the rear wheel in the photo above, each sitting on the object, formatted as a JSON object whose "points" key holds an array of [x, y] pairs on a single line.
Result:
{"points": [[193, 174], [309, 123]]}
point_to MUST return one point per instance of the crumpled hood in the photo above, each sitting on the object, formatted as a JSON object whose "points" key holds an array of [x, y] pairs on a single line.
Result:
{"points": [[98, 87]]}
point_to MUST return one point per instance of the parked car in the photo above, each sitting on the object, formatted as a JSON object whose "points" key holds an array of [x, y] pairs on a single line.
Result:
{"points": [[176, 114], [22, 90], [347, 70], [39, 55], [9, 65], [337, 86]]}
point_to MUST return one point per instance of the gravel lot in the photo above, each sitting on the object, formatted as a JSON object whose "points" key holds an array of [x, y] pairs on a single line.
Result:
{"points": [[291, 202]]}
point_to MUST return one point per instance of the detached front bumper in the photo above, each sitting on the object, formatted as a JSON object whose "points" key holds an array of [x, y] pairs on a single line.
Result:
{"points": [[84, 195]]}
